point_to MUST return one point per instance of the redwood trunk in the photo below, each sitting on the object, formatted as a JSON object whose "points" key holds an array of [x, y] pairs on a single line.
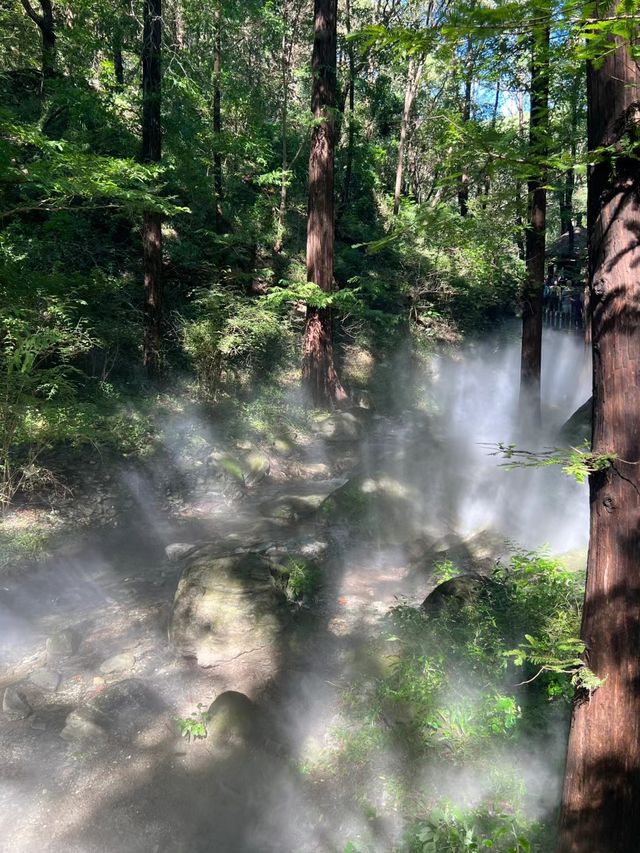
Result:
{"points": [[151, 153], [531, 356], [318, 371], [601, 800]]}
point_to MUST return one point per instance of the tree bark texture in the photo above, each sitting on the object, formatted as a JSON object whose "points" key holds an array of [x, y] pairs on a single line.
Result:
{"points": [[413, 81], [463, 186], [531, 355], [46, 25], [319, 374], [601, 800], [217, 116], [152, 153]]}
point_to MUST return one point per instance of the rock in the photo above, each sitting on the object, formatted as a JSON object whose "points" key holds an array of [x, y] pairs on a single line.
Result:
{"points": [[178, 551], [225, 607], [577, 429], [246, 470], [463, 589], [315, 469], [255, 467], [85, 723], [339, 426], [62, 644], [127, 707], [45, 679], [283, 447], [294, 506], [14, 702], [232, 717], [118, 663]]}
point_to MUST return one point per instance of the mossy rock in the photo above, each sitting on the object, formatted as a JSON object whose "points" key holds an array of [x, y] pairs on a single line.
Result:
{"points": [[224, 606], [232, 718], [577, 429], [464, 590]]}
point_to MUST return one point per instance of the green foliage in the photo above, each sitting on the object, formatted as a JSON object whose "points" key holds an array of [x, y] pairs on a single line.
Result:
{"points": [[451, 692], [455, 830], [576, 462], [304, 578], [230, 337], [193, 727]]}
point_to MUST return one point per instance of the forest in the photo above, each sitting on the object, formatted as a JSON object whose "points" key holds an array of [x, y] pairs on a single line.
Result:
{"points": [[319, 444]]}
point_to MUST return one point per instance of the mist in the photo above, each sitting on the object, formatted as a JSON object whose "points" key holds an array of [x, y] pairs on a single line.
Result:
{"points": [[430, 490]]}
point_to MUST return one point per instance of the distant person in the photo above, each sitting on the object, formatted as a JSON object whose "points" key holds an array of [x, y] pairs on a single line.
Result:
{"points": [[565, 307], [554, 301]]}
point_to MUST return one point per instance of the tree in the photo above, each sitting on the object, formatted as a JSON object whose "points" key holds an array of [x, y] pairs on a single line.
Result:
{"points": [[318, 371], [152, 153], [217, 114], [535, 234], [601, 800], [46, 26]]}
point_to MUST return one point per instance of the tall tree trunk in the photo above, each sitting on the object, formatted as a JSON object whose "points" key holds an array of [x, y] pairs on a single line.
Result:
{"points": [[601, 800], [46, 26], [217, 115], [284, 180], [413, 81], [152, 153], [531, 356], [318, 371], [518, 193], [351, 133], [463, 186]]}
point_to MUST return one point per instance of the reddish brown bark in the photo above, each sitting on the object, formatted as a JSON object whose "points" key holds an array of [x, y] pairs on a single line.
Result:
{"points": [[152, 153], [601, 801], [531, 355], [318, 371]]}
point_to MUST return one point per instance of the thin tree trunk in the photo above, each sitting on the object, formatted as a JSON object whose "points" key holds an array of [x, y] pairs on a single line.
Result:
{"points": [[413, 80], [531, 356], [518, 198], [46, 26], [217, 116], [346, 187], [463, 186], [283, 131], [601, 800], [118, 62], [318, 372], [152, 153]]}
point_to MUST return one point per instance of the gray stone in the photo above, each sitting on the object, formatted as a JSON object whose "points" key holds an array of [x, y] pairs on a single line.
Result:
{"points": [[62, 644], [178, 551], [85, 723], [291, 507], [463, 590], [255, 467], [45, 679], [340, 426], [226, 607], [232, 717], [14, 702], [118, 663], [128, 707]]}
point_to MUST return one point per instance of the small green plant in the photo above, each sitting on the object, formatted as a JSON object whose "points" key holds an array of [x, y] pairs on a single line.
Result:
{"points": [[193, 727], [454, 830], [576, 462], [303, 580]]}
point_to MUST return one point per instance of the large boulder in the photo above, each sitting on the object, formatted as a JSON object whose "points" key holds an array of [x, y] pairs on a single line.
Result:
{"points": [[340, 426], [232, 717], [463, 589], [226, 607]]}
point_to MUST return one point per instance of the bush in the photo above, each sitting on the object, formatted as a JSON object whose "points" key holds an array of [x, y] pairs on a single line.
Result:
{"points": [[233, 340]]}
